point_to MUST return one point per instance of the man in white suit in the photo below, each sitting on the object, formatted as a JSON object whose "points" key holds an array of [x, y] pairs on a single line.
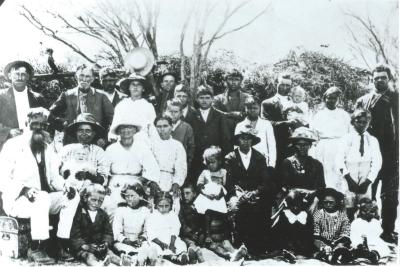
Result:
{"points": [[31, 185]]}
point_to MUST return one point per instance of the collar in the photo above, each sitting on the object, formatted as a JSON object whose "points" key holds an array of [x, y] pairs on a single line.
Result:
{"points": [[292, 218], [205, 110], [176, 125], [245, 155], [91, 91]]}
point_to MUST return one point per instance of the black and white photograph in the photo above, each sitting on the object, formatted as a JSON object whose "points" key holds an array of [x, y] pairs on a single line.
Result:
{"points": [[199, 132]]}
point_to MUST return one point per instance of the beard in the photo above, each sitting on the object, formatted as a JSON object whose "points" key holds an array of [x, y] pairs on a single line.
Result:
{"points": [[38, 141]]}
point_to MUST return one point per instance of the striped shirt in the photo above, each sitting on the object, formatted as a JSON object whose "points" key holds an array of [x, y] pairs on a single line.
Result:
{"points": [[331, 226]]}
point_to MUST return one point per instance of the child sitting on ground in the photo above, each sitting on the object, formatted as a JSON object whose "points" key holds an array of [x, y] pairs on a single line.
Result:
{"points": [[192, 229], [365, 233], [293, 230], [212, 204], [332, 228], [163, 228], [91, 232], [129, 226]]}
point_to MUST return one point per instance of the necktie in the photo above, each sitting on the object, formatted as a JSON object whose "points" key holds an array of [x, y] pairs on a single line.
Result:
{"points": [[362, 145], [83, 103]]}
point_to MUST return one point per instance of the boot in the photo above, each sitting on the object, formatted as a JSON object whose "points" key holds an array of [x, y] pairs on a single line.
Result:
{"points": [[63, 253], [200, 257], [39, 256], [192, 255]]}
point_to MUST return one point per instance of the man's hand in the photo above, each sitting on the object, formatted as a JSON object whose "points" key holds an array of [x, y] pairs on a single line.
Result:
{"points": [[363, 187], [176, 190], [101, 143], [15, 132], [353, 186]]}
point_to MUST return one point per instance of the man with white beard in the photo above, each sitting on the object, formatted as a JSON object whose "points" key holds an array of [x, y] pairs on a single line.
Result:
{"points": [[31, 185]]}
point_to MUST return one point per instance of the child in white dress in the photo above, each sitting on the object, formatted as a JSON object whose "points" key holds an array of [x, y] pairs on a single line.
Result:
{"points": [[163, 227], [129, 226]]}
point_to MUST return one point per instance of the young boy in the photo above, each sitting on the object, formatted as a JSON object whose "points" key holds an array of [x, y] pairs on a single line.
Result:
{"points": [[91, 232], [209, 127], [181, 130], [192, 231], [263, 129]]}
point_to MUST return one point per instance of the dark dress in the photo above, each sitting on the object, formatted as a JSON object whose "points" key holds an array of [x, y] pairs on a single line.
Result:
{"points": [[295, 237], [310, 176]]}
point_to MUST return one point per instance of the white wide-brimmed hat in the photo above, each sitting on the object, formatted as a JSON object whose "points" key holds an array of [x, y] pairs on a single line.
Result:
{"points": [[126, 119], [140, 60]]}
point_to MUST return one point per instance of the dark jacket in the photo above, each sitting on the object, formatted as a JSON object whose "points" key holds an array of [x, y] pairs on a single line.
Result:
{"points": [[184, 134], [8, 110], [257, 177], [192, 223], [83, 231], [117, 98], [66, 108], [190, 115]]}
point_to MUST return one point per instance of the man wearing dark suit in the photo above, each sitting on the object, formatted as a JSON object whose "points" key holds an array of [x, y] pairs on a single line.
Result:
{"points": [[82, 99], [272, 110], [108, 80], [182, 93], [247, 172], [168, 83], [383, 104], [209, 128], [16, 100]]}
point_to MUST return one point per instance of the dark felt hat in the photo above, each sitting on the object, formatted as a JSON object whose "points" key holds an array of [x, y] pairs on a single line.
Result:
{"points": [[85, 118], [246, 131]]}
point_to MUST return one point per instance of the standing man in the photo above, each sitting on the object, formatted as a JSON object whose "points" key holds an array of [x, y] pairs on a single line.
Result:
{"points": [[183, 94], [108, 79], [16, 100], [272, 110], [168, 83], [383, 103], [82, 99], [30, 182]]}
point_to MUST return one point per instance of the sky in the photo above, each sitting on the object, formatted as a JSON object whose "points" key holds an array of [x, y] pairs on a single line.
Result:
{"points": [[287, 25]]}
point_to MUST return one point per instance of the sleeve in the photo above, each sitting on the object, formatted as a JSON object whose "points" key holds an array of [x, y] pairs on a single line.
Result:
{"points": [[108, 236], [284, 172], [103, 165], [152, 227], [57, 112], [151, 171], [317, 223], [108, 110], [180, 165], [355, 233], [345, 225], [57, 182], [176, 224], [271, 145], [225, 135], [190, 145], [376, 161], [118, 225], [341, 156], [320, 176], [202, 178], [146, 218], [76, 236], [230, 178]]}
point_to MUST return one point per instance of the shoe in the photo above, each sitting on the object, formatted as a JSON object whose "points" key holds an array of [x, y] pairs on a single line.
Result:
{"points": [[40, 256], [374, 257], [192, 256], [389, 237], [288, 256], [184, 259], [64, 255]]}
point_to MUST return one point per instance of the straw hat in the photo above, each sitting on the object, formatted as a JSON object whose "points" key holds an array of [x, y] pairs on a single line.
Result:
{"points": [[246, 131], [18, 63], [303, 133], [140, 61], [85, 118]]}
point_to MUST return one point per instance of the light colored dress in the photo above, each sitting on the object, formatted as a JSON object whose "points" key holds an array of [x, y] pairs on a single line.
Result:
{"points": [[127, 166], [360, 167], [213, 184], [162, 227], [330, 126], [371, 230], [171, 158]]}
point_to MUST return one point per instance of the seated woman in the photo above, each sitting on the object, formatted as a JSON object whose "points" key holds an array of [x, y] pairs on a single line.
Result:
{"points": [[129, 227], [82, 163], [331, 228], [130, 161], [301, 170]]}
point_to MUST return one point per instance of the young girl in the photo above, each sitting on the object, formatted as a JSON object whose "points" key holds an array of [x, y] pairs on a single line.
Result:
{"points": [[331, 228], [129, 226], [211, 202], [91, 232], [365, 233], [163, 228], [211, 183]]}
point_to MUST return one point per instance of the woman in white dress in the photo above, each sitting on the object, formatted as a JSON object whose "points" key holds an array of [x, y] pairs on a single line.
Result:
{"points": [[130, 159], [331, 123], [134, 86]]}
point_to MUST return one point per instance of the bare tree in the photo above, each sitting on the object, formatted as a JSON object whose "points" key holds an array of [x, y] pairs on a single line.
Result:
{"points": [[202, 42], [119, 28], [374, 42]]}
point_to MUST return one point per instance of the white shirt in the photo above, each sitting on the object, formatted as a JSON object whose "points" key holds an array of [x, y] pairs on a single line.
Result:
{"points": [[92, 215], [22, 106], [245, 158], [110, 96], [204, 113]]}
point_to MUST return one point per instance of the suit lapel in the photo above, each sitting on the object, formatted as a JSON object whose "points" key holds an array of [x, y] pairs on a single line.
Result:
{"points": [[210, 116], [239, 159]]}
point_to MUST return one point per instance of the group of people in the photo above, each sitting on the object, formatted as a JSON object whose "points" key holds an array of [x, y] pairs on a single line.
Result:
{"points": [[132, 182]]}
